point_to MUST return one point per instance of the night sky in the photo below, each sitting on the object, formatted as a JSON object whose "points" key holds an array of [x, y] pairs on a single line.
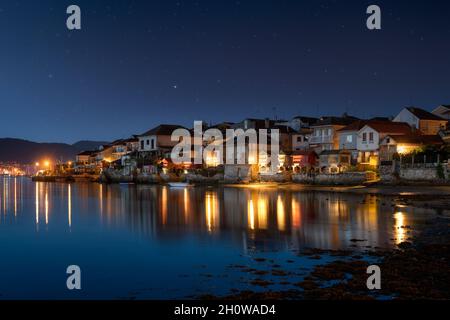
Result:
{"points": [[136, 64]]}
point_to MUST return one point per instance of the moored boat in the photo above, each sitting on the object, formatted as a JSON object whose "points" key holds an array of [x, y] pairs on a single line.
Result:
{"points": [[179, 184]]}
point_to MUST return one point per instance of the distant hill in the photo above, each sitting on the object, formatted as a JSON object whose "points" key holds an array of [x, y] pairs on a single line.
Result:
{"points": [[24, 151], [86, 145]]}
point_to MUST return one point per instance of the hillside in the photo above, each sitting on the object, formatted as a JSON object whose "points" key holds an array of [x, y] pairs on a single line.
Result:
{"points": [[24, 151]]}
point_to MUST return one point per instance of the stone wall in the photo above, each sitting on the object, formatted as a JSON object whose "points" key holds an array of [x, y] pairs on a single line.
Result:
{"points": [[239, 173], [386, 173], [280, 177], [418, 172], [196, 178]]}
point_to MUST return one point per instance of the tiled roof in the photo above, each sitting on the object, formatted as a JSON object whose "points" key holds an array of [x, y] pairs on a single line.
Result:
{"points": [[162, 130], [283, 129], [423, 114], [390, 127], [418, 139], [86, 153], [342, 121], [354, 126], [309, 120]]}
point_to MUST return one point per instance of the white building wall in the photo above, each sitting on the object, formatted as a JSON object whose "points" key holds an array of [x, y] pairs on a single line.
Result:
{"points": [[368, 145], [145, 143], [408, 117]]}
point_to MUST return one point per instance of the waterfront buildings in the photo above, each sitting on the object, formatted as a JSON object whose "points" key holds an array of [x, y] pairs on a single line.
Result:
{"points": [[427, 122]]}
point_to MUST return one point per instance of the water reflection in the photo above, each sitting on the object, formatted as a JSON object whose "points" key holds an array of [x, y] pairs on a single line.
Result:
{"points": [[37, 203], [260, 218], [400, 230], [211, 210], [69, 204]]}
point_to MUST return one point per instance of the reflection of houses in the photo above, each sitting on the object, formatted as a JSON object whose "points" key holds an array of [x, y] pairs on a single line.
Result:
{"points": [[427, 122], [405, 144], [325, 135], [369, 137], [334, 161], [304, 161]]}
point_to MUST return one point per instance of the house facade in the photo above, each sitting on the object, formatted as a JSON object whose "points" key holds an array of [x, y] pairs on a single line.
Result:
{"points": [[369, 137], [325, 132], [405, 144], [157, 141], [334, 161], [348, 137], [422, 120], [304, 161], [300, 139], [83, 158]]}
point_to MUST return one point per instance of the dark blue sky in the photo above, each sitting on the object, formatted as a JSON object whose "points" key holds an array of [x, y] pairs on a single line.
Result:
{"points": [[136, 64]]}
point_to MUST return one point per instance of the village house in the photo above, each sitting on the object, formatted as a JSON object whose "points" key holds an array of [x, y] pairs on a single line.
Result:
{"points": [[300, 139], [334, 161], [442, 111], [369, 137], [157, 141], [304, 161], [348, 138], [299, 122], [405, 144], [83, 158], [426, 122], [325, 132]]}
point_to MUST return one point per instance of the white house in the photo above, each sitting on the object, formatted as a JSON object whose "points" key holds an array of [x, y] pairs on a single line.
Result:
{"points": [[158, 140], [369, 137], [442, 112]]}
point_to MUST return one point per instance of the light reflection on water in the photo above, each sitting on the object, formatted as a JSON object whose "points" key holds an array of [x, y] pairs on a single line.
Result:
{"points": [[152, 234]]}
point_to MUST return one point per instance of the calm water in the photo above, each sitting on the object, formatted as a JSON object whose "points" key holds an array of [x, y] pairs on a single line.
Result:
{"points": [[158, 242]]}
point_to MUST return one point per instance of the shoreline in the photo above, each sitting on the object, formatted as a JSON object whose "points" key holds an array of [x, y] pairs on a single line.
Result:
{"points": [[404, 190], [414, 269]]}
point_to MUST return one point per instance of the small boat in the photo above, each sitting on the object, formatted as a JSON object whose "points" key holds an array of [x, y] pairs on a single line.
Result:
{"points": [[179, 184]]}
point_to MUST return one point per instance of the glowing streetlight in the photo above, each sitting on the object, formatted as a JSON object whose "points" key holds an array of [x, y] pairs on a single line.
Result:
{"points": [[47, 164], [37, 164]]}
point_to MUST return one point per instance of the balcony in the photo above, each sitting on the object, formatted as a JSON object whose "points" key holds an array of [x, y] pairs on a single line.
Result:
{"points": [[321, 139]]}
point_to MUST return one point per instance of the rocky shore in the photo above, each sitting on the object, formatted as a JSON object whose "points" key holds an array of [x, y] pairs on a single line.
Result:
{"points": [[416, 269]]}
